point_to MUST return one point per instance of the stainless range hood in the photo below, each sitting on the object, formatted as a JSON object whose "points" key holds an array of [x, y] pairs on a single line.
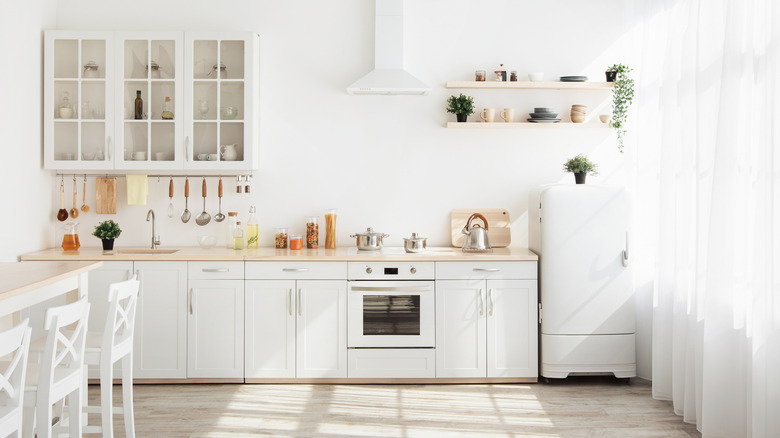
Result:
{"points": [[389, 76]]}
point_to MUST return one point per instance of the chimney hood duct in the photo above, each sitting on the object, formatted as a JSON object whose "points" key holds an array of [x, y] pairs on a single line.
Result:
{"points": [[388, 76]]}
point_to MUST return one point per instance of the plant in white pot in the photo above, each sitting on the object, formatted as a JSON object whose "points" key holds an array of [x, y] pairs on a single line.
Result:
{"points": [[580, 166]]}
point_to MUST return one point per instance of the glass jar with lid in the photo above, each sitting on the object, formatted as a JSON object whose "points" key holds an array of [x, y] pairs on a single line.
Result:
{"points": [[155, 68], [218, 68], [90, 70], [280, 238], [312, 232], [231, 227]]}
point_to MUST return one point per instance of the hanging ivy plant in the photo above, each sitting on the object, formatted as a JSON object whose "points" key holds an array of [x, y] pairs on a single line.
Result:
{"points": [[622, 96]]}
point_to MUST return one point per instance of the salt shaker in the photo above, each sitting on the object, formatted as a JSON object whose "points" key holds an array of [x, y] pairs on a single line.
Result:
{"points": [[239, 184]]}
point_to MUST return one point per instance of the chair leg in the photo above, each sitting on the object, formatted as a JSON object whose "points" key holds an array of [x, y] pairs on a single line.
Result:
{"points": [[44, 416], [127, 395], [28, 422], [106, 399], [74, 412]]}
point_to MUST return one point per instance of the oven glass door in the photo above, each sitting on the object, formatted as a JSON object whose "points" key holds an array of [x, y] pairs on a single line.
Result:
{"points": [[391, 314]]}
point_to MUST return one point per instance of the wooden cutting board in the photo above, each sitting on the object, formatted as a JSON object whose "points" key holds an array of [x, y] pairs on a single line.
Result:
{"points": [[105, 195], [499, 231]]}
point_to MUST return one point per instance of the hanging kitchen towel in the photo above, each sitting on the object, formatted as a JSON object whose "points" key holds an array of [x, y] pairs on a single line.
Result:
{"points": [[137, 189]]}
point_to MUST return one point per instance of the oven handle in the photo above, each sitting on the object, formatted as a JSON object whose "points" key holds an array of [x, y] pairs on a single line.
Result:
{"points": [[390, 289]]}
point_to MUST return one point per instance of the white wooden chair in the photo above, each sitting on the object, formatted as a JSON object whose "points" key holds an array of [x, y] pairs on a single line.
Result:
{"points": [[105, 349], [14, 343], [60, 373]]}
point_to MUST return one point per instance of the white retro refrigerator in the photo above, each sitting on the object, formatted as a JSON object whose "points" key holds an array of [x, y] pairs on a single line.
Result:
{"points": [[588, 321]]}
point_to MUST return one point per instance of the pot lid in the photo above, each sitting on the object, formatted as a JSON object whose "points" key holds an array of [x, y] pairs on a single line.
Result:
{"points": [[414, 237], [369, 232]]}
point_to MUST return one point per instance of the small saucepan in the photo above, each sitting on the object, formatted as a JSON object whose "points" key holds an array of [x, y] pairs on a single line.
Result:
{"points": [[369, 241], [415, 243]]}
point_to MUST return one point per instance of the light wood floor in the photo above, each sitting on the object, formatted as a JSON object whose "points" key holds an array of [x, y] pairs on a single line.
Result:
{"points": [[576, 407]]}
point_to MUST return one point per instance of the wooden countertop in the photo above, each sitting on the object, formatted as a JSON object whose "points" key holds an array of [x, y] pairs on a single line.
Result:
{"points": [[350, 254], [22, 278]]}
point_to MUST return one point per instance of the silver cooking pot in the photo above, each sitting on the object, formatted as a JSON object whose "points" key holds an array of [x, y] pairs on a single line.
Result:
{"points": [[415, 243], [369, 241]]}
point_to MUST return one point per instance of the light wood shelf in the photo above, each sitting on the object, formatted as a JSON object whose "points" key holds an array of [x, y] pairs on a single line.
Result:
{"points": [[527, 85], [525, 125]]}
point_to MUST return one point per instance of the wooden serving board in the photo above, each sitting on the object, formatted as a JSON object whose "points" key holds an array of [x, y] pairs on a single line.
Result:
{"points": [[499, 231], [105, 195]]}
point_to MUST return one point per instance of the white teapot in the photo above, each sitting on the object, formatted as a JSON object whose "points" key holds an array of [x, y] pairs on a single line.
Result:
{"points": [[229, 152]]}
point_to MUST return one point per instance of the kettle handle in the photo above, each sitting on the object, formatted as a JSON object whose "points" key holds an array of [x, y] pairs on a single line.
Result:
{"points": [[478, 216]]}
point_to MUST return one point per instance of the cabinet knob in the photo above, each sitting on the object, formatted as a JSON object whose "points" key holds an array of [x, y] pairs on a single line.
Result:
{"points": [[413, 270], [369, 270]]}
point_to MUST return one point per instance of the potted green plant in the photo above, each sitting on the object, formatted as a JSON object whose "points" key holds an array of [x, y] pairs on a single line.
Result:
{"points": [[580, 166], [462, 106], [107, 231], [622, 96]]}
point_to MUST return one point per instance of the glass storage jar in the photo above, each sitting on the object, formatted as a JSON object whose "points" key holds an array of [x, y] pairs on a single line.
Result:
{"points": [[280, 238], [296, 241], [312, 232]]}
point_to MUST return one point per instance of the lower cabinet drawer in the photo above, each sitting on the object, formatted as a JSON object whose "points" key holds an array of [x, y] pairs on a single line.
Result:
{"points": [[389, 363], [215, 270]]}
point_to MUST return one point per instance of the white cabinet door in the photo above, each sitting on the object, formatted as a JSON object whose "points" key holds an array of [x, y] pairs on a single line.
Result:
{"points": [[512, 329], [215, 329], [160, 344], [321, 329], [460, 328], [270, 329], [151, 63], [78, 100]]}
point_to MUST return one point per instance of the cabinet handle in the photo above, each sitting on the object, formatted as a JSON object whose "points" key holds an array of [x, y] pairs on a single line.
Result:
{"points": [[298, 303], [289, 301], [487, 269], [491, 304], [190, 300], [215, 270], [108, 147], [625, 253], [186, 148], [295, 269], [481, 303]]}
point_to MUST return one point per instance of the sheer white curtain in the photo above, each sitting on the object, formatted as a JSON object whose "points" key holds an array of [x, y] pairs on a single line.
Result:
{"points": [[706, 130]]}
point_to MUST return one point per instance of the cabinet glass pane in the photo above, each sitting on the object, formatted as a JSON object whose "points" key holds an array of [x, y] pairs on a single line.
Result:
{"points": [[93, 136], [129, 95], [93, 51], [232, 134], [232, 56], [163, 54], [136, 59], [162, 141], [136, 141], [66, 59], [93, 98], [156, 101], [204, 59], [66, 136], [205, 141], [205, 106], [66, 100], [231, 100]]}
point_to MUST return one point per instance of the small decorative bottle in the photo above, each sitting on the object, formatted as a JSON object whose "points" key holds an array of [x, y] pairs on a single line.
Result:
{"points": [[251, 229], [167, 112], [139, 106], [238, 237]]}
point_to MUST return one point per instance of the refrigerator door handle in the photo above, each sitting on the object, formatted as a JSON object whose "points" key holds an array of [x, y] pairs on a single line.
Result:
{"points": [[625, 252]]}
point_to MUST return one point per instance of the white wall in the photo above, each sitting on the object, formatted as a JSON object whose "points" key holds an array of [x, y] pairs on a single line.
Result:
{"points": [[25, 224], [386, 161]]}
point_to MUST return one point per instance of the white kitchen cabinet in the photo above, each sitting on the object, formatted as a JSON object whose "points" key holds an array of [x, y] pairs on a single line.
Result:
{"points": [[216, 72], [296, 327], [160, 339], [486, 327], [215, 329]]}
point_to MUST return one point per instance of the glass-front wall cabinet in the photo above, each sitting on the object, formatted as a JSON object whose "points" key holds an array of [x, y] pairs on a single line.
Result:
{"points": [[78, 100], [150, 100]]}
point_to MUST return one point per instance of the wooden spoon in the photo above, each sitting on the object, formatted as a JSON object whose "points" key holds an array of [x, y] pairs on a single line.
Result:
{"points": [[62, 214], [84, 206], [74, 212]]}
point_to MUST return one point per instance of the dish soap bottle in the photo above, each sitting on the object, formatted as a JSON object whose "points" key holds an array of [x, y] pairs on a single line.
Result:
{"points": [[167, 114], [251, 229], [238, 237]]}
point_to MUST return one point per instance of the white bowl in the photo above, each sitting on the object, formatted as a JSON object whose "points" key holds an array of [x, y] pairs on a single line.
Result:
{"points": [[536, 77], [207, 241]]}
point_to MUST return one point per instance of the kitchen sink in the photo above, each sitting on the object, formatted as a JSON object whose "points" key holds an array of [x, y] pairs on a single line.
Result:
{"points": [[147, 251]]}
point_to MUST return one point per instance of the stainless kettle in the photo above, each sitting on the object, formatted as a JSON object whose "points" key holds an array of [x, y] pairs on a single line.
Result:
{"points": [[476, 239]]}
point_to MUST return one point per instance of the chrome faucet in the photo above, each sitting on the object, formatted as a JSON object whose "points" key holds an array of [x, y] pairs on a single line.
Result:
{"points": [[155, 242]]}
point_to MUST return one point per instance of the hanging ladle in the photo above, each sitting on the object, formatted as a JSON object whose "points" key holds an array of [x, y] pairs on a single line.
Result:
{"points": [[170, 195], [185, 215], [219, 217], [62, 214], [204, 217]]}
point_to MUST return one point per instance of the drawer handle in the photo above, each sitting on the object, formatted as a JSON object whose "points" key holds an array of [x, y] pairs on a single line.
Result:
{"points": [[215, 270], [487, 269], [295, 269]]}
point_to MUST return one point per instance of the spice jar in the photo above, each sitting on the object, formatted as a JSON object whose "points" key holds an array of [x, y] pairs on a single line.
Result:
{"points": [[480, 75], [296, 241], [280, 238], [312, 232], [513, 76]]}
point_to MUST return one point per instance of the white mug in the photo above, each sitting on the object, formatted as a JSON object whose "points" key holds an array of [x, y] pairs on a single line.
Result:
{"points": [[488, 115], [508, 114], [139, 156]]}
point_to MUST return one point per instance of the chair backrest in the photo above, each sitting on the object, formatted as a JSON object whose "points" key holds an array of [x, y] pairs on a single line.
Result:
{"points": [[66, 338], [16, 344], [120, 322]]}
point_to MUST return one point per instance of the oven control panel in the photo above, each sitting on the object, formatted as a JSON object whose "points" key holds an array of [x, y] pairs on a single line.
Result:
{"points": [[390, 271]]}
